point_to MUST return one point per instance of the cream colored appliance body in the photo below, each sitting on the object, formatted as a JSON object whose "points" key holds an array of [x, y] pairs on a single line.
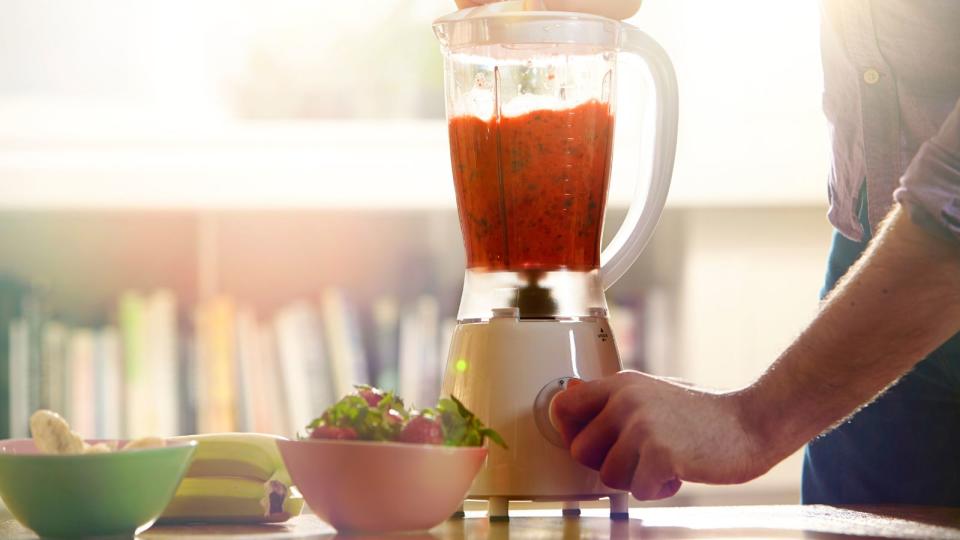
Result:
{"points": [[499, 368]]}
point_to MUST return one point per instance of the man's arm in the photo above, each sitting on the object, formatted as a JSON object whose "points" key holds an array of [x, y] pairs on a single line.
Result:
{"points": [[895, 306], [898, 303]]}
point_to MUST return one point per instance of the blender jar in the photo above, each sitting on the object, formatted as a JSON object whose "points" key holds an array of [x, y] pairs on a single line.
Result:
{"points": [[530, 101], [531, 171]]}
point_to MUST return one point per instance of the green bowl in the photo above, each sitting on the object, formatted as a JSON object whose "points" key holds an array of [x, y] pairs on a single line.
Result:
{"points": [[114, 494]]}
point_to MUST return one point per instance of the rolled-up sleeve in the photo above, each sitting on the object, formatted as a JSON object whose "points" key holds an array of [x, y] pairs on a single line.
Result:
{"points": [[930, 187]]}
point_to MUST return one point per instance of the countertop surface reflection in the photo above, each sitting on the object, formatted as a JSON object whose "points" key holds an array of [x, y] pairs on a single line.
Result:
{"points": [[788, 521]]}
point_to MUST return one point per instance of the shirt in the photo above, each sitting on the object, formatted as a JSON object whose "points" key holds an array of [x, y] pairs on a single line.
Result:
{"points": [[892, 100]]}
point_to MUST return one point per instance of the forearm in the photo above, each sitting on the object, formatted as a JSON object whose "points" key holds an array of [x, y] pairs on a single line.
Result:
{"points": [[895, 306]]}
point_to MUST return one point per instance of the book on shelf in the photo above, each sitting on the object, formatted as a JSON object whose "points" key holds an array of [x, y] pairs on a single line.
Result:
{"points": [[108, 366], [262, 405], [247, 374], [55, 371], [34, 313], [187, 377], [17, 398], [265, 390], [348, 362], [418, 363], [20, 313], [130, 312], [148, 330], [10, 293], [384, 341], [160, 358], [80, 367], [303, 364], [215, 368]]}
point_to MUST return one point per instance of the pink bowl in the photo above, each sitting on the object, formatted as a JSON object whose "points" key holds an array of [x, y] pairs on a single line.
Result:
{"points": [[381, 486]]}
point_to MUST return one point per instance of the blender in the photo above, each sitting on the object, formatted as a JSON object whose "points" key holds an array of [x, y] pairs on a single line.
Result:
{"points": [[530, 102]]}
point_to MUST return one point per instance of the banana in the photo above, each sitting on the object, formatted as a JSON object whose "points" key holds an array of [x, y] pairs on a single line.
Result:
{"points": [[237, 477], [233, 499], [250, 455], [145, 442]]}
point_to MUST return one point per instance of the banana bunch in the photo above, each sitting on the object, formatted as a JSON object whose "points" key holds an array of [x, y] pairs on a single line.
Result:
{"points": [[235, 477]]}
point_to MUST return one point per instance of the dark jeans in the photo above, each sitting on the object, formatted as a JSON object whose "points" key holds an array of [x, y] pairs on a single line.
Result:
{"points": [[904, 448]]}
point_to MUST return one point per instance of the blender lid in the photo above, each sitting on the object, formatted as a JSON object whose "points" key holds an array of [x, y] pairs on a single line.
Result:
{"points": [[513, 22]]}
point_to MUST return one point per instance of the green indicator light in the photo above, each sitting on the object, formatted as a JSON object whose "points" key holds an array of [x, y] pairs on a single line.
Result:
{"points": [[461, 365]]}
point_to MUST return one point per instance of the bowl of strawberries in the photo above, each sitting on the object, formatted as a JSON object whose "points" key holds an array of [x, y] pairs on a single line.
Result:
{"points": [[369, 464]]}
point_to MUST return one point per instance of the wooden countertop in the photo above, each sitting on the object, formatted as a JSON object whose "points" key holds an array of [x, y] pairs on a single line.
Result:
{"points": [[822, 522]]}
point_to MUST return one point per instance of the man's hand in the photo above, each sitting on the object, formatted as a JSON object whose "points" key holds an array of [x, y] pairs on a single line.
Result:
{"points": [[647, 435], [614, 9], [896, 305]]}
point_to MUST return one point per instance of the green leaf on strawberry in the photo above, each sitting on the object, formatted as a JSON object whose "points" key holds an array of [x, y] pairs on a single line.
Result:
{"points": [[380, 422]]}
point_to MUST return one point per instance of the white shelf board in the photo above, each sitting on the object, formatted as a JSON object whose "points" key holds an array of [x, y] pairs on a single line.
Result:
{"points": [[323, 165]]}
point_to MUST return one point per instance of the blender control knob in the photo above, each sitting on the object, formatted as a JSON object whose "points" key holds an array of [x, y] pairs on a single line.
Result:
{"points": [[542, 406]]}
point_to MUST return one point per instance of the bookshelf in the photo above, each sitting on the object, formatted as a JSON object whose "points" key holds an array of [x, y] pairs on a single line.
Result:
{"points": [[697, 299]]}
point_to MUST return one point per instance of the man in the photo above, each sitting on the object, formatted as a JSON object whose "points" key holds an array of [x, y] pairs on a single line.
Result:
{"points": [[876, 374]]}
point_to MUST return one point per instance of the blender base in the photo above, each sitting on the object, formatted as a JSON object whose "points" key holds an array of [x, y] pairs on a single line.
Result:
{"points": [[507, 371]]}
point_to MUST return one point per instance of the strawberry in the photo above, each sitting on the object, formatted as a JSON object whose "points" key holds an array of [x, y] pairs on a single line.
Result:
{"points": [[334, 433], [371, 396], [422, 430], [394, 417]]}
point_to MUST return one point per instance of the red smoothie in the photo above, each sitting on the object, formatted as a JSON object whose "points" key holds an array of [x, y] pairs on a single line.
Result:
{"points": [[531, 189]]}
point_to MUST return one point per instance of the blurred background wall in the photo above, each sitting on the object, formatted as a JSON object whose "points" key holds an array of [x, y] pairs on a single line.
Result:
{"points": [[201, 200]]}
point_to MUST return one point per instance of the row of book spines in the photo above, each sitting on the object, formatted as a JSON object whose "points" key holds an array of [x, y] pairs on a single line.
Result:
{"points": [[133, 381]]}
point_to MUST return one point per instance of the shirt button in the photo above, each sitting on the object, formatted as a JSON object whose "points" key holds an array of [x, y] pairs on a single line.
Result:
{"points": [[871, 76]]}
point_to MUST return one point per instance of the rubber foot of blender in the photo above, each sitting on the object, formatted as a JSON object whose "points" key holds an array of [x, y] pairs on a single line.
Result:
{"points": [[571, 509], [459, 514], [498, 509], [620, 506]]}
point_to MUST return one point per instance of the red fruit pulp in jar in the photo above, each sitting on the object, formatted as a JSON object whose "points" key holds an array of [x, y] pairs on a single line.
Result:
{"points": [[531, 189]]}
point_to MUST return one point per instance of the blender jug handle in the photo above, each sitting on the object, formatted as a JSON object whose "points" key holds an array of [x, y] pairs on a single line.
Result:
{"points": [[642, 218]]}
